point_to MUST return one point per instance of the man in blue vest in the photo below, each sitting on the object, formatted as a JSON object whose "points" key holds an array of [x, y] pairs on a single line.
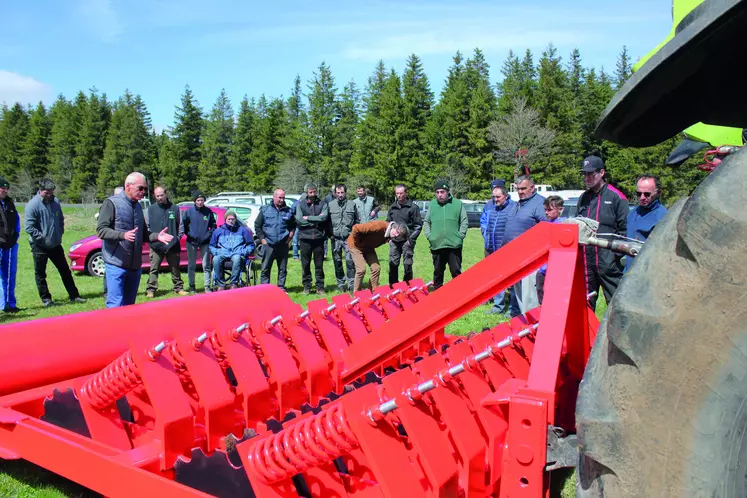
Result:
{"points": [[122, 229], [274, 227], [650, 210]]}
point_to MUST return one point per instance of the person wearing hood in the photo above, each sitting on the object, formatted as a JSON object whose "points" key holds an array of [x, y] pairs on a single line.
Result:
{"points": [[493, 226], [445, 226], [45, 225], [231, 241], [199, 223], [165, 215], [650, 210], [362, 242]]}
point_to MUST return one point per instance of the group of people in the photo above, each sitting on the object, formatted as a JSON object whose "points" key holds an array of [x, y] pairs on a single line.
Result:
{"points": [[349, 226], [503, 220]]}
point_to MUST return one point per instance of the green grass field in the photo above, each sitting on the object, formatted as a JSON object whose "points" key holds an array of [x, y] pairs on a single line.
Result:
{"points": [[21, 479]]}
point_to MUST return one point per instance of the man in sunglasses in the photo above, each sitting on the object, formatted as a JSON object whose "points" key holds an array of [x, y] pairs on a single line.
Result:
{"points": [[643, 219], [122, 229], [607, 205]]}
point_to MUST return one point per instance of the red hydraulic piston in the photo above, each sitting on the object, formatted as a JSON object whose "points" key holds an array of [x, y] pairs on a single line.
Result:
{"points": [[41, 352]]}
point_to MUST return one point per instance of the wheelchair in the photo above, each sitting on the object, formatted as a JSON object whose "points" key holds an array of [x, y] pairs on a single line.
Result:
{"points": [[250, 269]]}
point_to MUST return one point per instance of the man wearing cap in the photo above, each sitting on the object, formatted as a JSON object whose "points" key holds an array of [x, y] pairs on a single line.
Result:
{"points": [[311, 220], [445, 227], [607, 205], [122, 228], [492, 227], [199, 224], [403, 211], [231, 241], [45, 224], [10, 229], [165, 214]]}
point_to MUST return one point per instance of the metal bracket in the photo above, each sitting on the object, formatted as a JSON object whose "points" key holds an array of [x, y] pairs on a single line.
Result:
{"points": [[562, 450]]}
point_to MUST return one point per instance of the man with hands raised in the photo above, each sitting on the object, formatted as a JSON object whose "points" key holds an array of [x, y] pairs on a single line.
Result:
{"points": [[122, 228]]}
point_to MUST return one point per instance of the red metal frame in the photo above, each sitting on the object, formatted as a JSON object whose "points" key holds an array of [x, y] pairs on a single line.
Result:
{"points": [[466, 421]]}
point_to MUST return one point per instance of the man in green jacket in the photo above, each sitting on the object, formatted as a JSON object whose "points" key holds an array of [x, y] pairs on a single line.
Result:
{"points": [[445, 227]]}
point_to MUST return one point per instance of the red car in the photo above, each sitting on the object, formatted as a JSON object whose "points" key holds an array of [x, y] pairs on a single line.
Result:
{"points": [[85, 254]]}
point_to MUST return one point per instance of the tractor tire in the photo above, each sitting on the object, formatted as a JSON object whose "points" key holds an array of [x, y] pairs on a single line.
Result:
{"points": [[662, 407]]}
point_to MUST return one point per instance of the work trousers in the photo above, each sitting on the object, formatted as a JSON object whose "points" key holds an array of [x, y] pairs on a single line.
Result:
{"points": [[275, 252], [603, 269], [121, 286], [404, 251], [312, 249], [8, 269], [340, 250], [361, 259], [173, 260], [442, 257], [499, 300], [207, 264], [57, 256]]}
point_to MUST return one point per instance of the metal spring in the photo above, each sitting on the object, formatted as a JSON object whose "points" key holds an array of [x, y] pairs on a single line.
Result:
{"points": [[218, 351], [309, 443], [180, 367], [114, 381]]}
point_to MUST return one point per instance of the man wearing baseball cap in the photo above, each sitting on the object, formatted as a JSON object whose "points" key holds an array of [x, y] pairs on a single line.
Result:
{"points": [[607, 205], [10, 229], [445, 227]]}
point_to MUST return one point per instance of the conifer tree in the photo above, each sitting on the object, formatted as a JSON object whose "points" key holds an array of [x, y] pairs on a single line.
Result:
{"points": [[623, 69], [14, 128], [90, 142], [268, 150], [65, 125], [478, 160], [217, 147], [324, 113], [297, 143], [417, 104], [387, 167], [36, 146], [243, 145], [368, 141], [181, 175], [349, 104], [128, 146]]}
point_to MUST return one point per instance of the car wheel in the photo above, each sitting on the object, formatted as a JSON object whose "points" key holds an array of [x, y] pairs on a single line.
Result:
{"points": [[95, 264]]}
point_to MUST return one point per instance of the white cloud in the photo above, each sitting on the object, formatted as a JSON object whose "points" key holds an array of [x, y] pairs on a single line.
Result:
{"points": [[101, 19], [16, 87]]}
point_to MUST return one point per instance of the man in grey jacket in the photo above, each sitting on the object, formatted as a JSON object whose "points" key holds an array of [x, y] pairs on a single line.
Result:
{"points": [[341, 215], [122, 229], [45, 224]]}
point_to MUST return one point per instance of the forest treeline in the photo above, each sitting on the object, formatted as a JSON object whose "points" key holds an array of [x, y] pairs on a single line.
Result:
{"points": [[390, 131]]}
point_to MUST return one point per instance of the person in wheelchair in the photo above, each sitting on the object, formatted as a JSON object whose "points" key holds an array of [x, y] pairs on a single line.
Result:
{"points": [[232, 242]]}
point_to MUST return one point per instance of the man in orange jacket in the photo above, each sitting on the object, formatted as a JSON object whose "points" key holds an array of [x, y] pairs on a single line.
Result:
{"points": [[362, 243]]}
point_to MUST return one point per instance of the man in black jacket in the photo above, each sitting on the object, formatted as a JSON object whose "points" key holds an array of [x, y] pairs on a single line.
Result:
{"points": [[311, 219], [164, 214], [403, 211], [607, 205], [199, 224]]}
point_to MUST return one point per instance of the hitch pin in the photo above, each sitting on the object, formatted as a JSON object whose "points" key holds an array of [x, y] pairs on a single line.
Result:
{"points": [[429, 385], [275, 320], [237, 333], [302, 316], [354, 301], [331, 308], [197, 343], [157, 350]]}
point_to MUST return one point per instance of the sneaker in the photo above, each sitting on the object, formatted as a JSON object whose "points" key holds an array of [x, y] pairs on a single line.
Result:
{"points": [[220, 288], [342, 288], [150, 294], [306, 291], [182, 293], [47, 303], [208, 289], [12, 309], [320, 292], [192, 291], [78, 300]]}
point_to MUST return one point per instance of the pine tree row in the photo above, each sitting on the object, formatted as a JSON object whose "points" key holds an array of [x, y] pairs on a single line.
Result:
{"points": [[540, 117]]}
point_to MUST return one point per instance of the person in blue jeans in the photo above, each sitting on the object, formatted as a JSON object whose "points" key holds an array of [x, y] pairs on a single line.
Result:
{"points": [[492, 227], [231, 241], [10, 230], [122, 228], [553, 208]]}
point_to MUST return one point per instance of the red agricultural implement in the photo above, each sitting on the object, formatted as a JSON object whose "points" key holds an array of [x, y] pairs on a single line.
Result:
{"points": [[244, 393]]}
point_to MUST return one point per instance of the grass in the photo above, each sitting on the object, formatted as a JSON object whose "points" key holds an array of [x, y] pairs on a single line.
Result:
{"points": [[21, 479]]}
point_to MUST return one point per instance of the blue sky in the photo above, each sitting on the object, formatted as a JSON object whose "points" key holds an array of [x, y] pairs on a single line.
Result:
{"points": [[156, 47]]}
